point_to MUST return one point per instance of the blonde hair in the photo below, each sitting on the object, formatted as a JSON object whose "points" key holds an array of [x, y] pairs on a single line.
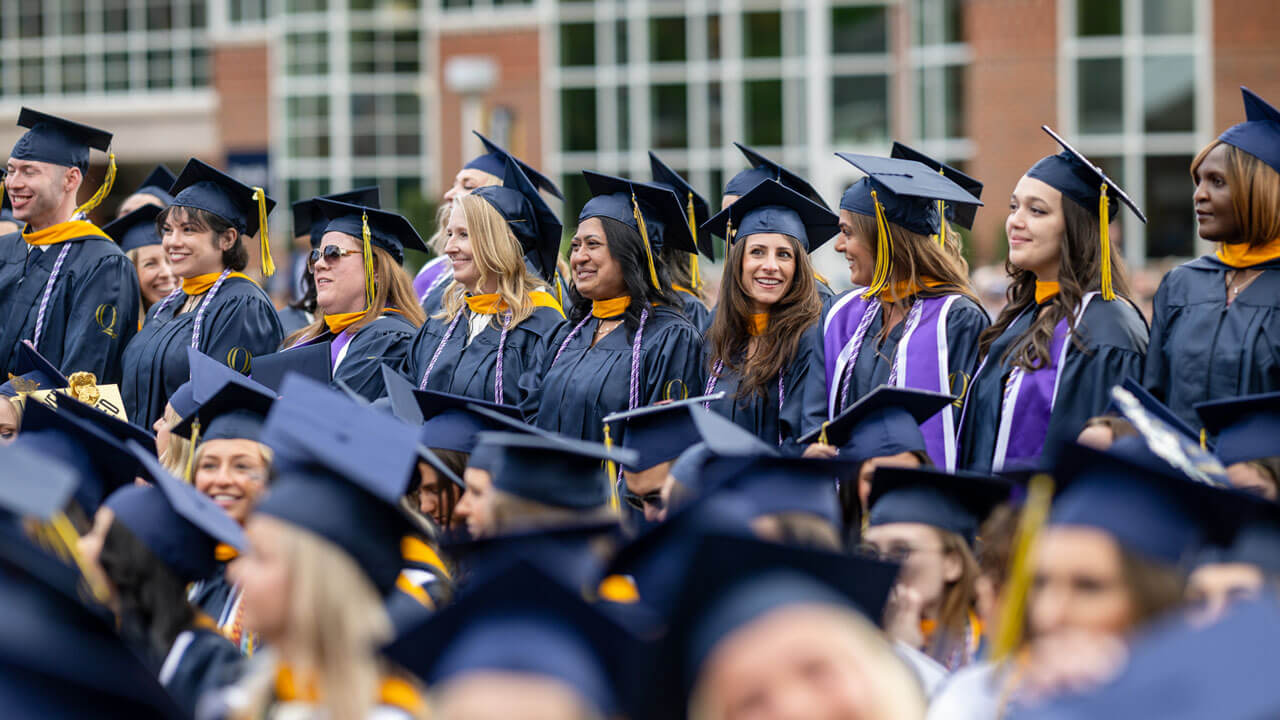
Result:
{"points": [[1255, 193], [177, 454], [392, 288], [497, 255], [333, 636]]}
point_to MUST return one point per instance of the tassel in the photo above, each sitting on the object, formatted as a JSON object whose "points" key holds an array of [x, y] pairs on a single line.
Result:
{"points": [[268, 266], [367, 250], [942, 225], [695, 277], [822, 433], [67, 538], [1013, 614], [644, 235], [103, 190], [1104, 234], [612, 470], [191, 459], [1204, 440], [884, 252]]}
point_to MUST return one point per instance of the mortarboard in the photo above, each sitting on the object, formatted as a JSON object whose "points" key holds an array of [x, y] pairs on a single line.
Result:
{"points": [[157, 184], [57, 141], [495, 159], [563, 472], [234, 411], [312, 361], [963, 214], [1259, 134], [403, 404], [34, 372], [658, 433], [793, 484], [955, 502], [308, 221], [696, 209], [1246, 428], [33, 484], [135, 230], [573, 554], [102, 462], [204, 187], [533, 222], [886, 421], [654, 212], [762, 168], [121, 430], [389, 231], [1163, 438], [770, 207]]}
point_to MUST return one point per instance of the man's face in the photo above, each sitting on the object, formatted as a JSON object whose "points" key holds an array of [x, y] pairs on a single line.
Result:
{"points": [[35, 188]]}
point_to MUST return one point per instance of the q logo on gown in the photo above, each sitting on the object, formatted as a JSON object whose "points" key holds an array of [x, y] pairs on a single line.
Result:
{"points": [[106, 316], [240, 360]]}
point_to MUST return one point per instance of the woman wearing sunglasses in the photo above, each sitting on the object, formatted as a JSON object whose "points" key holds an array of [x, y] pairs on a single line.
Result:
{"points": [[365, 306]]}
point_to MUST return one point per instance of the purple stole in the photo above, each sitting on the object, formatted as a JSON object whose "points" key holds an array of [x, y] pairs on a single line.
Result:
{"points": [[430, 275], [337, 346], [920, 362], [1028, 401]]}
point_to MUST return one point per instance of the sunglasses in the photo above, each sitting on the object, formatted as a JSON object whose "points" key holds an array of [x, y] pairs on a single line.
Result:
{"points": [[652, 498], [330, 253]]}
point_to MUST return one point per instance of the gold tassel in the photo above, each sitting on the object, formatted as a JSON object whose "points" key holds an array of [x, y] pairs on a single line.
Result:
{"points": [[67, 537], [191, 459], [612, 470], [367, 250], [695, 277], [268, 266], [1013, 612], [1104, 233], [942, 225], [1204, 439], [644, 235], [729, 231], [103, 190], [822, 433], [884, 252]]}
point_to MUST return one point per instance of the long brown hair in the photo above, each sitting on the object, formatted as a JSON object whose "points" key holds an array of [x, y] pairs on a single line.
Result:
{"points": [[1255, 193], [1079, 272], [958, 597], [729, 335], [392, 288], [497, 255], [680, 271]]}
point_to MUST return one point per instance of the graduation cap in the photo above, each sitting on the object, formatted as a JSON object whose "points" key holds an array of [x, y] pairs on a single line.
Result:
{"points": [[204, 187], [658, 433], [654, 212], [955, 502], [343, 468], [235, 411], [962, 215], [501, 626], [121, 430], [495, 159], [1259, 134], [389, 231], [563, 472], [34, 484], [696, 209], [58, 141], [34, 372], [175, 521], [1156, 409], [762, 168], [884, 422], [135, 229], [1246, 427], [531, 220], [770, 207], [101, 462], [1173, 444], [574, 554], [314, 361], [308, 221], [157, 184], [793, 484]]}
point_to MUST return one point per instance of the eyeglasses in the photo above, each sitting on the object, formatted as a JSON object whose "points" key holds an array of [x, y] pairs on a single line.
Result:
{"points": [[898, 553], [330, 253], [652, 498]]}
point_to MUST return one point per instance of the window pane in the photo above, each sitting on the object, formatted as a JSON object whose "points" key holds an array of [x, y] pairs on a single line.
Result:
{"points": [[715, 126], [1099, 17], [762, 34], [1169, 94], [1167, 17], [159, 15], [1101, 95], [31, 76], [159, 69], [713, 37], [624, 118], [577, 44], [620, 42], [31, 18], [73, 74], [955, 121], [670, 107], [115, 15], [116, 71], [666, 39], [762, 120], [578, 118], [861, 108], [1171, 228], [859, 30]]}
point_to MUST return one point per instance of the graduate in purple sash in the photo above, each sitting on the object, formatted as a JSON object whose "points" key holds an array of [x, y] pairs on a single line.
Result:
{"points": [[913, 321], [1215, 323], [764, 347], [1069, 332], [366, 309]]}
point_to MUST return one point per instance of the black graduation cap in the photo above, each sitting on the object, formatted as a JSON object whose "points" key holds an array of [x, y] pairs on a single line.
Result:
{"points": [[136, 229], [658, 433], [955, 502], [660, 208], [176, 522], [563, 472], [34, 372], [886, 421], [1247, 428], [121, 430], [762, 168], [34, 484], [1079, 179], [532, 221], [696, 209], [308, 221], [57, 140], [501, 626], [235, 411], [962, 215], [389, 231], [101, 462], [908, 192], [313, 361], [495, 159], [157, 184], [1259, 134], [770, 207], [204, 187]]}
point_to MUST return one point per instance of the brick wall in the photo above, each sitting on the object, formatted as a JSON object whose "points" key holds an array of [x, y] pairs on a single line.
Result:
{"points": [[1246, 52], [241, 80]]}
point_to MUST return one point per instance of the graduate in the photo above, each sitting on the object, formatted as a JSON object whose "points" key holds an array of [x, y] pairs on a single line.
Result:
{"points": [[912, 321], [154, 190], [1249, 567], [764, 347], [1246, 429], [626, 342], [682, 267], [1069, 331], [138, 238], [65, 286], [366, 310], [1215, 319], [33, 373], [497, 316], [148, 542], [218, 310]]}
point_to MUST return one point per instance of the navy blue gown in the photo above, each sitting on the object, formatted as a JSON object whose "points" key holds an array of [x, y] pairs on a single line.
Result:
{"points": [[695, 311], [200, 660], [386, 339]]}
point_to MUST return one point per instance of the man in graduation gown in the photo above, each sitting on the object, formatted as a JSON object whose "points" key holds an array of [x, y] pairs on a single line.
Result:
{"points": [[64, 284]]}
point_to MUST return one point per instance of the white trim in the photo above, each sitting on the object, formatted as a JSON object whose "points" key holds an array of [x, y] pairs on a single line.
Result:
{"points": [[944, 382], [174, 658]]}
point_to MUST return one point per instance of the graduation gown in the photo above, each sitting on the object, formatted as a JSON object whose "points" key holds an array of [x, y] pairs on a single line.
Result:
{"points": [[239, 324], [292, 319], [470, 368], [695, 311], [199, 661], [572, 395], [804, 397], [355, 360], [436, 271], [1115, 339], [1203, 349], [93, 306]]}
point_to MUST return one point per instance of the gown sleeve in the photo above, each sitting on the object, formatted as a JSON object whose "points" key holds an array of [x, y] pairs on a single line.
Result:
{"points": [[240, 330], [673, 366], [964, 327], [103, 318], [1155, 375], [209, 662], [531, 381], [805, 407], [372, 346]]}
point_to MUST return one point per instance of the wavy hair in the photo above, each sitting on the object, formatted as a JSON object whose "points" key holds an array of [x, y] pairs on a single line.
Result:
{"points": [[235, 258], [1255, 193], [498, 256], [392, 288]]}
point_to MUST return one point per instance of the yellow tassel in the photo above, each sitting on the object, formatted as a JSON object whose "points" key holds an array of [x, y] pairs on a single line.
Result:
{"points": [[644, 235], [612, 471], [695, 277], [1204, 439], [729, 231], [67, 539], [367, 250], [942, 225], [1104, 233], [268, 266], [1013, 613], [191, 459], [822, 433], [884, 252], [103, 190], [820, 278]]}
